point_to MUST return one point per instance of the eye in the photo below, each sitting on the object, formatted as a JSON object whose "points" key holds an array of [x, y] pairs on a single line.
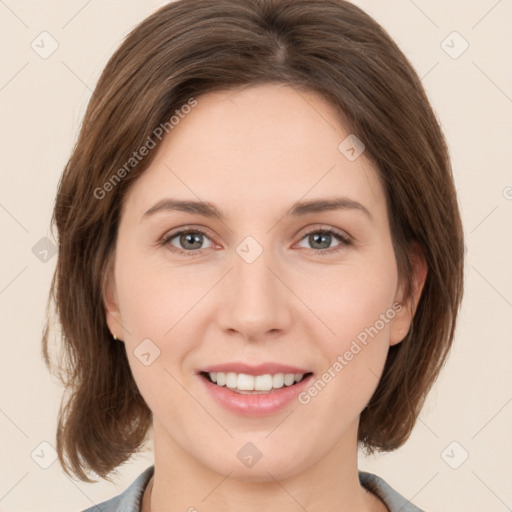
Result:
{"points": [[322, 237], [189, 239]]}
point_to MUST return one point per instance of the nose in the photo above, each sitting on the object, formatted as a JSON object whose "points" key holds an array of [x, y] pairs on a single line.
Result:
{"points": [[255, 301]]}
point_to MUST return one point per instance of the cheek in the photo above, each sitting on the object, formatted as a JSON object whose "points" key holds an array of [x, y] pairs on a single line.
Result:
{"points": [[351, 299], [155, 298], [355, 305], [159, 309], [154, 308]]}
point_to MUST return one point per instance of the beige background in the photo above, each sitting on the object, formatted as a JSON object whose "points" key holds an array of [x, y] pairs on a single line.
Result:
{"points": [[42, 102]]}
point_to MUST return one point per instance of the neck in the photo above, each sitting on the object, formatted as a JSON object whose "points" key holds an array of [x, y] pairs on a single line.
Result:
{"points": [[182, 482]]}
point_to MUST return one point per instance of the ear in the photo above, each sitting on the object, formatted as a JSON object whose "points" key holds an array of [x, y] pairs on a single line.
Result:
{"points": [[402, 321], [110, 301]]}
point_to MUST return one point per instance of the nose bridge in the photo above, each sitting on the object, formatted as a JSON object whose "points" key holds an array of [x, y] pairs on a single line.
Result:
{"points": [[258, 301]]}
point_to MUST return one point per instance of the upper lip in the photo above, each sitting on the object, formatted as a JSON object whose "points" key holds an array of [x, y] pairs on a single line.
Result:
{"points": [[259, 369]]}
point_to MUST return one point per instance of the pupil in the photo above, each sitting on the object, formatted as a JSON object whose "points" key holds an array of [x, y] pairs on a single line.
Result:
{"points": [[321, 236], [190, 238]]}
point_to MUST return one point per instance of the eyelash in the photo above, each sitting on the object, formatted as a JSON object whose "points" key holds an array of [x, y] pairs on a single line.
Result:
{"points": [[344, 241]]}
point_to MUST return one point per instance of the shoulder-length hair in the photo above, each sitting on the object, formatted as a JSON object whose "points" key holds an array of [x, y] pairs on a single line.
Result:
{"points": [[192, 47]]}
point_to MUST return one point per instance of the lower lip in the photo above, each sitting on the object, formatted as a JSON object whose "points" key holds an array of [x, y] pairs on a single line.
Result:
{"points": [[255, 405]]}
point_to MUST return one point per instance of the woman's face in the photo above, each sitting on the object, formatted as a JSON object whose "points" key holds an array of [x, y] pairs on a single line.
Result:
{"points": [[264, 285]]}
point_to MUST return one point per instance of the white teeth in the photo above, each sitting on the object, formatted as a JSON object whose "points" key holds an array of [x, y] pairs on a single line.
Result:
{"points": [[278, 380], [289, 379], [231, 380], [244, 382]]}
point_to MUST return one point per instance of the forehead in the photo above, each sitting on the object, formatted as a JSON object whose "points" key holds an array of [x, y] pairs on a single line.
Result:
{"points": [[268, 144]]}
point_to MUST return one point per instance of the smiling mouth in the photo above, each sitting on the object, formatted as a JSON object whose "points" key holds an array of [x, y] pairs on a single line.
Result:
{"points": [[254, 384]]}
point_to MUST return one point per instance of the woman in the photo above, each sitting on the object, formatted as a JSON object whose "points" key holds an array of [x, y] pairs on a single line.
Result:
{"points": [[260, 259]]}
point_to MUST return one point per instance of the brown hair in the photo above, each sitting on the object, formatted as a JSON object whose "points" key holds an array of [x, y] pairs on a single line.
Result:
{"points": [[189, 48]]}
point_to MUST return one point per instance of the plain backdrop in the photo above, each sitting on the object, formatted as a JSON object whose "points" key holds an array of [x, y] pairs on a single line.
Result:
{"points": [[459, 455]]}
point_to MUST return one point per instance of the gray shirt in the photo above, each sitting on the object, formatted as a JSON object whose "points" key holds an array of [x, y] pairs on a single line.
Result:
{"points": [[131, 499]]}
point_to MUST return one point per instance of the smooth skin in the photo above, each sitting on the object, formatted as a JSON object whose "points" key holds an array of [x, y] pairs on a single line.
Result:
{"points": [[254, 152]]}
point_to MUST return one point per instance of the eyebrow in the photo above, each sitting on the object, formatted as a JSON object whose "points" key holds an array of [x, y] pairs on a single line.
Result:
{"points": [[300, 208]]}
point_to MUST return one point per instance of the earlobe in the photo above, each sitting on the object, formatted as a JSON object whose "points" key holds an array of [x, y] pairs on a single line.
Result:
{"points": [[402, 321], [400, 324], [111, 303]]}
